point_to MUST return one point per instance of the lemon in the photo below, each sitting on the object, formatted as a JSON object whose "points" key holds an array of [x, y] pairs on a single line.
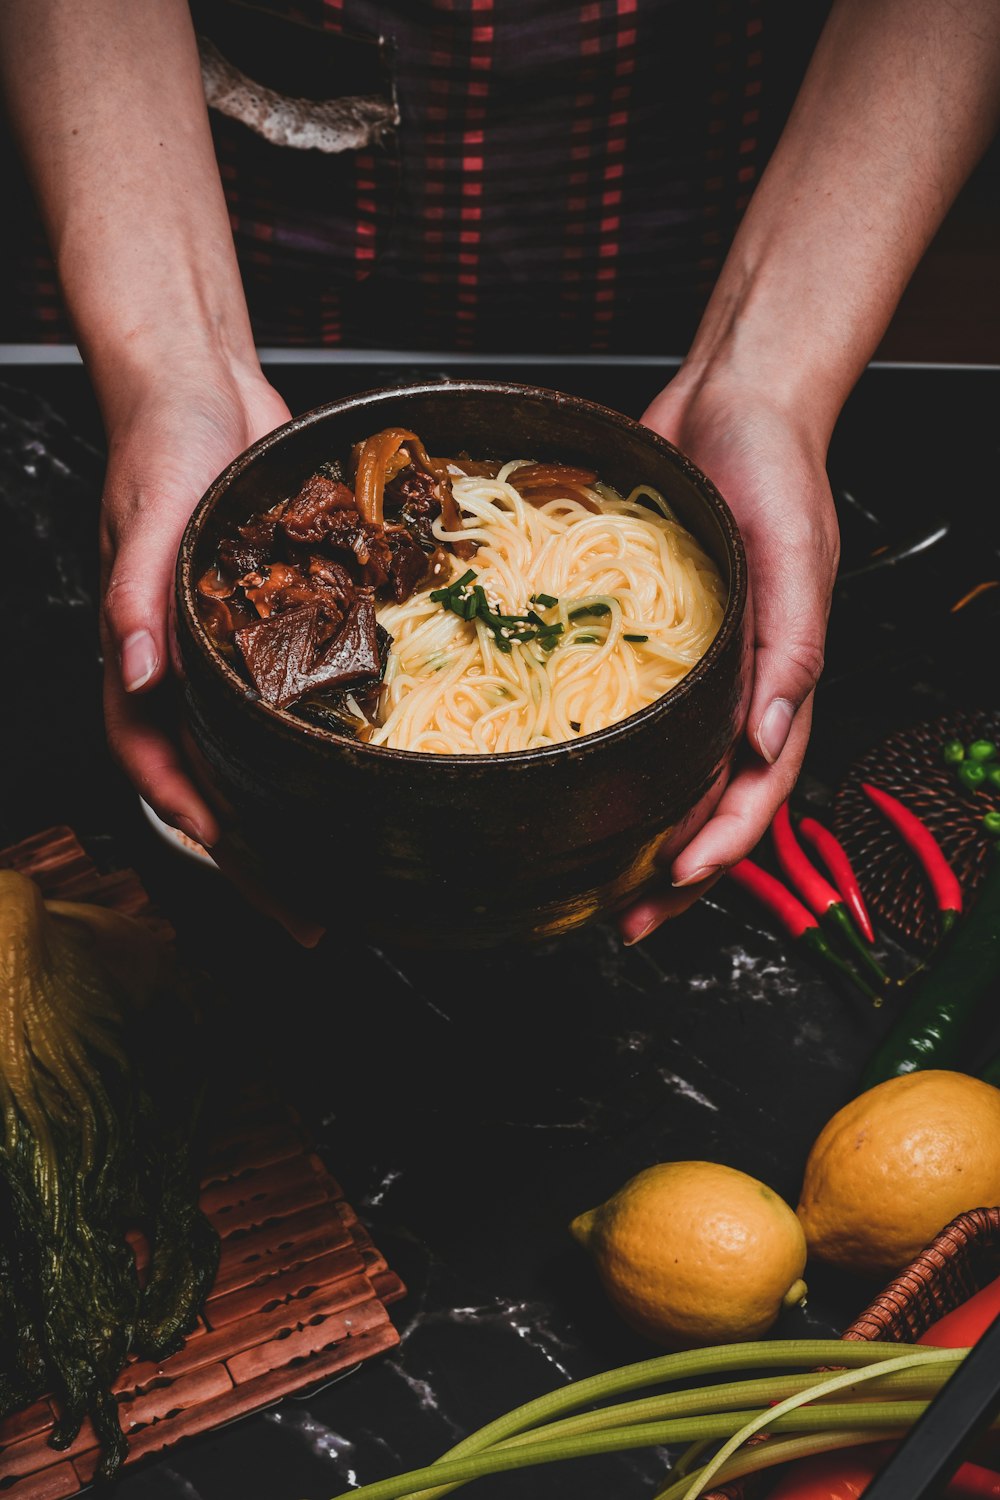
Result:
{"points": [[896, 1164], [694, 1253]]}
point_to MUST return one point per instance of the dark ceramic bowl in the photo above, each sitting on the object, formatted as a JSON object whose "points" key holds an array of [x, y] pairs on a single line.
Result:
{"points": [[464, 850]]}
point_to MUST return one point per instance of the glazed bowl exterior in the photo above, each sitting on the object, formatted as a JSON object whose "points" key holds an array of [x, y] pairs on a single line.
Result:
{"points": [[465, 850]]}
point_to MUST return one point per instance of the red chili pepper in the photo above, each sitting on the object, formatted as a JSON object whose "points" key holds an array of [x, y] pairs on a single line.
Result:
{"points": [[834, 856], [843, 1476], [925, 846], [777, 898], [961, 1328], [797, 920], [817, 890], [813, 887], [847, 1475]]}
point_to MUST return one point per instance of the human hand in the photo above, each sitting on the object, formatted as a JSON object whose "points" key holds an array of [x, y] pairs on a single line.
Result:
{"points": [[771, 470], [167, 440]]}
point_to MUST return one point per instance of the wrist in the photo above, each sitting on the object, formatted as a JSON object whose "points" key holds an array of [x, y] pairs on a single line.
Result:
{"points": [[758, 342], [151, 366]]}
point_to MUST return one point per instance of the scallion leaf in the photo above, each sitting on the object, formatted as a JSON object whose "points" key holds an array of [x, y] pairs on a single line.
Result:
{"points": [[471, 603], [590, 611]]}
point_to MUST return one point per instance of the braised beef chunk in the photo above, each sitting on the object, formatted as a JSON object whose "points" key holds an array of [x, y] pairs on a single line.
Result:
{"points": [[362, 545], [259, 530], [334, 580], [279, 653], [309, 516], [411, 499], [237, 556], [408, 564], [329, 709], [410, 486], [279, 588], [353, 655], [292, 593], [285, 586], [285, 658]]}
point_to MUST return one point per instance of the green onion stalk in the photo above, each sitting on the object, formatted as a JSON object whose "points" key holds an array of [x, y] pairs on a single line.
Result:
{"points": [[871, 1395]]}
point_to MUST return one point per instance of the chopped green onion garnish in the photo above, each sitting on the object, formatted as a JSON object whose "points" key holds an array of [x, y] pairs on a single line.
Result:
{"points": [[545, 600], [586, 640], [592, 611], [635, 637], [471, 603]]}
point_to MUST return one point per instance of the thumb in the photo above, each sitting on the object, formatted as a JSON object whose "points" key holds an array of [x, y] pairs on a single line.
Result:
{"points": [[790, 614], [135, 608]]}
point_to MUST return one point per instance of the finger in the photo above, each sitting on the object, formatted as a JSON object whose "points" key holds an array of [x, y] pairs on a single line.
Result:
{"points": [[227, 856], [137, 592], [659, 905], [147, 754], [304, 930], [792, 581], [745, 811]]}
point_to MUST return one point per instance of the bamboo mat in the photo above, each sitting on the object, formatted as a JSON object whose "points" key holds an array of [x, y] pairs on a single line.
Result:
{"points": [[301, 1290]]}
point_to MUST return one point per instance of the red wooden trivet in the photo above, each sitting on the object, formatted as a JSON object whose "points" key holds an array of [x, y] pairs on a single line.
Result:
{"points": [[301, 1290]]}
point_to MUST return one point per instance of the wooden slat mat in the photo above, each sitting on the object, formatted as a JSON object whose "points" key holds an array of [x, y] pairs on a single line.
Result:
{"points": [[301, 1290]]}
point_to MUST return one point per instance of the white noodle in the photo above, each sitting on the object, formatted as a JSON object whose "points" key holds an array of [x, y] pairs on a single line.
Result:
{"points": [[449, 690]]}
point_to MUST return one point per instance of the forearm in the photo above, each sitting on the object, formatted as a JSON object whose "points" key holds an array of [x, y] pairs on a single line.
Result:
{"points": [[899, 102], [106, 98]]}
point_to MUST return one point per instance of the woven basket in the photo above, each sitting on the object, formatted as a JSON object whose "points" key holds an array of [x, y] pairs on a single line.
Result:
{"points": [[961, 1260]]}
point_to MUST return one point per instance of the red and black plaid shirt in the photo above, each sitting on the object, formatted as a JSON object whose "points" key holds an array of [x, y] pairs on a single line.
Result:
{"points": [[566, 175]]}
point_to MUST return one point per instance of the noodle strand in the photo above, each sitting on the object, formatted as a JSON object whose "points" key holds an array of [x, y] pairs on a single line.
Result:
{"points": [[617, 567]]}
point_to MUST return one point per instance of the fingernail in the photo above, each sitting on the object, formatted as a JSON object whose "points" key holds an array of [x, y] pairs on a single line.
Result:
{"points": [[702, 873], [774, 727], [190, 827], [138, 660], [630, 939]]}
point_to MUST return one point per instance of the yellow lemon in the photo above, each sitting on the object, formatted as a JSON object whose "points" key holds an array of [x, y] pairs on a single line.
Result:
{"points": [[896, 1164], [693, 1253]]}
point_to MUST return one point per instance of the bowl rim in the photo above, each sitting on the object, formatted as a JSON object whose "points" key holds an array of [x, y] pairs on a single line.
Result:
{"points": [[586, 744]]}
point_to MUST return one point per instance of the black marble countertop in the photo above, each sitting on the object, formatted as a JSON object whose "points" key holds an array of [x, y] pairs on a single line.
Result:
{"points": [[471, 1111]]}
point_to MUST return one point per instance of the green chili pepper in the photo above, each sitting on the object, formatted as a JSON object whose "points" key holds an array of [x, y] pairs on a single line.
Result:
{"points": [[945, 996], [972, 774], [991, 821], [982, 750]]}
